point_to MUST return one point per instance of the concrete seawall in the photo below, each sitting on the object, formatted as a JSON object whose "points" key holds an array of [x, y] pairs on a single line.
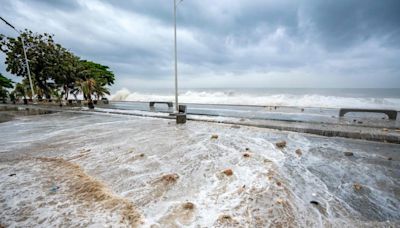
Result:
{"points": [[328, 130]]}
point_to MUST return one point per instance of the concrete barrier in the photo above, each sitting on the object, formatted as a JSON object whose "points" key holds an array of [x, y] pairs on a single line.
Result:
{"points": [[182, 109], [152, 103], [392, 114], [181, 118]]}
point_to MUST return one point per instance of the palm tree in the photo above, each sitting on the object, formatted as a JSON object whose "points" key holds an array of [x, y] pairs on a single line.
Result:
{"points": [[87, 87], [100, 91]]}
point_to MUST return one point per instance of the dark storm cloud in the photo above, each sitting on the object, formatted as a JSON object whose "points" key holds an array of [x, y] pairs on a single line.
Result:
{"points": [[227, 42], [342, 23]]}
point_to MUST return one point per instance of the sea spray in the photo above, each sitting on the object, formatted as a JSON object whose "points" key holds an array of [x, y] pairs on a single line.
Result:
{"points": [[275, 98]]}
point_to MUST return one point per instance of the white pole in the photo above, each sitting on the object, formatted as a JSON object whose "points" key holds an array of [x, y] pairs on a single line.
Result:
{"points": [[26, 58], [176, 62], [27, 67]]}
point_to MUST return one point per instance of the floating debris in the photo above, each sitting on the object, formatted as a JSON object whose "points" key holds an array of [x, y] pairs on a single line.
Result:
{"points": [[228, 172], [270, 174], [235, 126], [320, 208], [188, 206], [214, 136], [246, 155], [314, 202], [298, 152], [267, 160], [141, 155], [348, 153], [390, 158], [281, 144], [280, 201], [226, 221], [357, 186], [302, 109], [12, 174], [170, 178], [54, 189], [360, 122], [225, 217], [278, 183], [247, 149], [385, 129]]}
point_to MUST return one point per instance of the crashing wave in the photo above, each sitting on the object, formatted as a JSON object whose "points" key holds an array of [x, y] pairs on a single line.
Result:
{"points": [[282, 99]]}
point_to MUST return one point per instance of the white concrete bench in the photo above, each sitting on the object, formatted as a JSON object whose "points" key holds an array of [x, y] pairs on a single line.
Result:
{"points": [[392, 114]]}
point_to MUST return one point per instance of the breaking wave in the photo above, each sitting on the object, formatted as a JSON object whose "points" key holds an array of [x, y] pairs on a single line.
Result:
{"points": [[278, 99]]}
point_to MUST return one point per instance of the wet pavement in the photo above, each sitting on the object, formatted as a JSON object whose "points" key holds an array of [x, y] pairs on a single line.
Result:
{"points": [[280, 113], [151, 172]]}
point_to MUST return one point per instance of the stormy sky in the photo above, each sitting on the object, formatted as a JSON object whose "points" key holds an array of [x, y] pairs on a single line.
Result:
{"points": [[225, 43]]}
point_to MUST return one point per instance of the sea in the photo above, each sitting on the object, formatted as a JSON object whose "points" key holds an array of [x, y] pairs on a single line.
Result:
{"points": [[384, 98]]}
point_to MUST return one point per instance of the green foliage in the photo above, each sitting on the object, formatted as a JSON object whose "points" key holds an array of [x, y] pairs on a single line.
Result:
{"points": [[5, 82], [12, 96], [53, 68], [99, 72], [3, 94], [20, 90], [41, 51], [94, 78]]}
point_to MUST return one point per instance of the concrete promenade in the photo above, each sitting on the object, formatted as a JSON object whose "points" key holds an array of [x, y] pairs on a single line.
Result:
{"points": [[371, 133]]}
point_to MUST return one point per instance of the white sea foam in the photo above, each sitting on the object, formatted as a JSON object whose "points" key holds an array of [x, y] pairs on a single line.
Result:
{"points": [[130, 155], [282, 99]]}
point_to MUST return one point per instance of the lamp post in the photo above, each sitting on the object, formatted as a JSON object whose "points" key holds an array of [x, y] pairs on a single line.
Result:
{"points": [[25, 56], [176, 58]]}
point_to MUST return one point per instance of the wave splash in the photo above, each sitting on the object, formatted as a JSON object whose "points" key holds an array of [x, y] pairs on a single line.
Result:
{"points": [[280, 99]]}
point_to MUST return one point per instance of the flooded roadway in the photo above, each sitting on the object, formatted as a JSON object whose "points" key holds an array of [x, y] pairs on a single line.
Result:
{"points": [[150, 172]]}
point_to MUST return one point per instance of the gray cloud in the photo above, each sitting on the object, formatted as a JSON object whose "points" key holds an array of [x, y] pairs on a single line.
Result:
{"points": [[343, 23], [255, 43]]}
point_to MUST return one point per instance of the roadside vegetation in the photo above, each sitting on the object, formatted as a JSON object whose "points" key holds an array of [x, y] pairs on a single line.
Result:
{"points": [[56, 72], [5, 84]]}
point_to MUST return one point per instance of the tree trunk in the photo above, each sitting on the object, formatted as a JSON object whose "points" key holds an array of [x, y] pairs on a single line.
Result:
{"points": [[66, 92], [90, 104]]}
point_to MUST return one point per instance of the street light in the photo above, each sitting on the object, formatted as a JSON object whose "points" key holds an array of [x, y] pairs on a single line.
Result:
{"points": [[26, 58], [176, 58]]}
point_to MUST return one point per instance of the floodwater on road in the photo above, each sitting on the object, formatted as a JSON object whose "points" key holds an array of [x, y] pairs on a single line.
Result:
{"points": [[94, 170]]}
